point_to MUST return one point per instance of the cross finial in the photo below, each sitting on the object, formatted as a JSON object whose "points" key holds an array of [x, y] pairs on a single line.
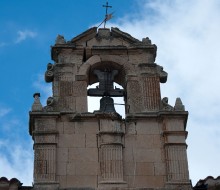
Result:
{"points": [[106, 12]]}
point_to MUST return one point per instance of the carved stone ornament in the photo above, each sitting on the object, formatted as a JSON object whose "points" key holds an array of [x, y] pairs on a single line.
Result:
{"points": [[37, 106], [146, 41], [165, 106], [50, 103], [162, 74], [60, 40], [49, 75], [179, 105]]}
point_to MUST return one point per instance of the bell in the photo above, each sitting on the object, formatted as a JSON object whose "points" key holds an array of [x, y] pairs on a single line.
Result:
{"points": [[107, 105]]}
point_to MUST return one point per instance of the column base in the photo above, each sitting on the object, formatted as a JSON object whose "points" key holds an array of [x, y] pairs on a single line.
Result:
{"points": [[46, 186], [179, 185], [112, 184]]}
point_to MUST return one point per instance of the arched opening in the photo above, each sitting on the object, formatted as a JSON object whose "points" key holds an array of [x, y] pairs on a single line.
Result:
{"points": [[107, 65], [94, 102]]}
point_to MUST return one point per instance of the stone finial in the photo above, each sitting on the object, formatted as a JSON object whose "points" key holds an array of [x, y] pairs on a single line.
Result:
{"points": [[179, 105], [60, 39], [37, 106], [146, 41], [103, 33], [165, 106]]}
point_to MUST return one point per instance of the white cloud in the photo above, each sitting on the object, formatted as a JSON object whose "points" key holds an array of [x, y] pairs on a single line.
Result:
{"points": [[4, 111], [15, 158], [187, 36], [23, 35], [16, 152]]}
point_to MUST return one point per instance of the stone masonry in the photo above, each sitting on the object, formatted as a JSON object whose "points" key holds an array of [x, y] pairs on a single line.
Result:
{"points": [[75, 149]]}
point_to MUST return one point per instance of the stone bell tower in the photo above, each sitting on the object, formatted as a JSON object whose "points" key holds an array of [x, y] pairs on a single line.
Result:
{"points": [[75, 149]]}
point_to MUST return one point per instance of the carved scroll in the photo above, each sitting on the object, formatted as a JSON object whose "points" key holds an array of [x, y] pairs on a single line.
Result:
{"points": [[49, 74]]}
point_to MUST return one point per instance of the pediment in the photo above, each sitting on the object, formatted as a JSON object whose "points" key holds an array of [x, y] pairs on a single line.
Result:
{"points": [[104, 37]]}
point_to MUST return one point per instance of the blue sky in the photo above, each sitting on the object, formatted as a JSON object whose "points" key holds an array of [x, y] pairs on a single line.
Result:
{"points": [[187, 36]]}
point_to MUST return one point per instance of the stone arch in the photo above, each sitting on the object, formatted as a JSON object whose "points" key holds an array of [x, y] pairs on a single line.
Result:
{"points": [[105, 61]]}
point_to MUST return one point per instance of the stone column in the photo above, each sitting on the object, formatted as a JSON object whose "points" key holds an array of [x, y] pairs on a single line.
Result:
{"points": [[70, 95], [151, 89], [175, 152], [134, 95], [110, 154], [45, 145], [176, 160]]}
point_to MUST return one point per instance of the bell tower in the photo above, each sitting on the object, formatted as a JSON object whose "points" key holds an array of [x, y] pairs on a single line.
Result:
{"points": [[76, 149]]}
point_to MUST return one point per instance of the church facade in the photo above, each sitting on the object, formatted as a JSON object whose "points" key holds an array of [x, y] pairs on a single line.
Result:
{"points": [[77, 149]]}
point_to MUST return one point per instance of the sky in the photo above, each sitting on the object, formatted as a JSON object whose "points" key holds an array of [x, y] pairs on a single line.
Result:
{"points": [[187, 34]]}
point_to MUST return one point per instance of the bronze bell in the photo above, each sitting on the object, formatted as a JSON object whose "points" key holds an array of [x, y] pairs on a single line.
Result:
{"points": [[107, 105]]}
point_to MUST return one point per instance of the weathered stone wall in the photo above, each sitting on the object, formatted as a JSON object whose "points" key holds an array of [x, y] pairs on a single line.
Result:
{"points": [[77, 149], [77, 153]]}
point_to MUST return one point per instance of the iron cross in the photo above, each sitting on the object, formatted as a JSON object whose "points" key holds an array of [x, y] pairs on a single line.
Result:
{"points": [[106, 12]]}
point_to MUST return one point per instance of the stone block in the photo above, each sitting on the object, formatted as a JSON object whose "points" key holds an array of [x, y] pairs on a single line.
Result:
{"points": [[83, 154], [71, 140], [81, 104], [130, 128], [130, 141], [70, 57], [46, 139], [129, 154], [81, 181], [73, 88], [122, 59], [61, 168], [135, 97], [176, 124], [160, 168], [88, 127], [86, 168], [108, 125], [67, 103], [145, 141], [145, 168], [139, 168], [158, 143], [141, 58], [45, 186], [91, 140], [149, 127], [62, 180], [129, 168], [45, 124], [62, 154], [60, 127], [148, 155], [69, 127], [142, 155], [145, 181], [71, 168], [175, 139]]}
